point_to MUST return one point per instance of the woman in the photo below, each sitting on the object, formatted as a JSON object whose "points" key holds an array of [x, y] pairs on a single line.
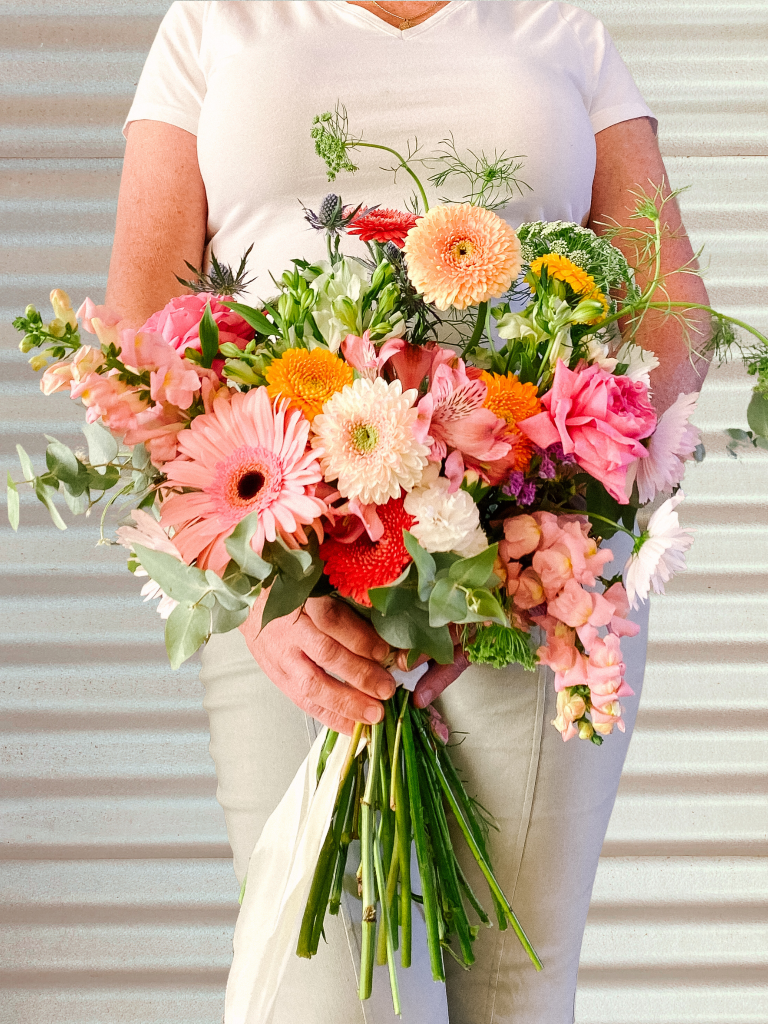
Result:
{"points": [[218, 152]]}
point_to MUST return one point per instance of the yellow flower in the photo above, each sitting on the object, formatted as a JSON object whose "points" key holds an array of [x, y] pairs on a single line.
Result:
{"points": [[461, 255], [512, 401], [307, 379], [562, 269]]}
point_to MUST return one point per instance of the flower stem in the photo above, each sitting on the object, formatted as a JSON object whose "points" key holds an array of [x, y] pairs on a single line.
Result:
{"points": [[405, 165], [325, 752], [477, 333], [367, 840], [426, 869], [386, 923], [603, 519]]}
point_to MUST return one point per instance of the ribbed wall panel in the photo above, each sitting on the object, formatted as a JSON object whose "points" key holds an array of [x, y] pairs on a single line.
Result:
{"points": [[117, 890]]}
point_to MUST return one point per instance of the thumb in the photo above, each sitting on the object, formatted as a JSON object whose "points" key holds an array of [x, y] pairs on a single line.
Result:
{"points": [[438, 678]]}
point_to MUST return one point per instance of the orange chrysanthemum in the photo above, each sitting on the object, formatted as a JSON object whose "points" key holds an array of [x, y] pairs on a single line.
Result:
{"points": [[461, 255], [307, 379], [561, 268], [512, 401]]}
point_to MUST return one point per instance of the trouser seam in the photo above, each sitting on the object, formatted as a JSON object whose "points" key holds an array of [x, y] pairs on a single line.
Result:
{"points": [[525, 821]]}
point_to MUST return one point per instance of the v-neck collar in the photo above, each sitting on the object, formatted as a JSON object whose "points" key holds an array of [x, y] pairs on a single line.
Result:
{"points": [[416, 30]]}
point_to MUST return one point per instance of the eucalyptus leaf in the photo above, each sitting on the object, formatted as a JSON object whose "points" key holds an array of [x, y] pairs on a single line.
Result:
{"points": [[26, 464], [45, 494], [412, 631], [99, 481], [12, 504], [61, 461], [209, 337], [102, 446], [447, 603], [393, 600], [296, 563], [482, 606], [757, 414], [182, 582], [424, 562], [286, 595], [187, 628], [226, 597], [224, 621], [77, 503], [140, 457], [238, 544], [475, 571]]}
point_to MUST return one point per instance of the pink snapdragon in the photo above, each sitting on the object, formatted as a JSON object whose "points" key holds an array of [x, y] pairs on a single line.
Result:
{"points": [[598, 418], [71, 372]]}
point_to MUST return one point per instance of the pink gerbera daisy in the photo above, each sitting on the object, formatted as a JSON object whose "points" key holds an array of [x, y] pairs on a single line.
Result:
{"points": [[242, 457]]}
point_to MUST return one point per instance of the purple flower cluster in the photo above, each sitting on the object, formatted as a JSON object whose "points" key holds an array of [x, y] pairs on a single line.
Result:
{"points": [[517, 487]]}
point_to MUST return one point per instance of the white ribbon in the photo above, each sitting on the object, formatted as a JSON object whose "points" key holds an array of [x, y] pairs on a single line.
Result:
{"points": [[279, 878]]}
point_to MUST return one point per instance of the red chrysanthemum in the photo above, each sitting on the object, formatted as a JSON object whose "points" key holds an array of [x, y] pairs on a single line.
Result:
{"points": [[354, 568], [382, 226]]}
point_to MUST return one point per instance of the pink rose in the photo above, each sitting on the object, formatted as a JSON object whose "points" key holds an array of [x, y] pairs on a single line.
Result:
{"points": [[179, 322], [598, 418]]}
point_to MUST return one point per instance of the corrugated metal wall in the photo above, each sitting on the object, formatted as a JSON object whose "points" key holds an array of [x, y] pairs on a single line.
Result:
{"points": [[118, 895]]}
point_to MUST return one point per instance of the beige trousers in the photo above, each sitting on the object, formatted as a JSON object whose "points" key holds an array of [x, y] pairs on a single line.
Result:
{"points": [[551, 800]]}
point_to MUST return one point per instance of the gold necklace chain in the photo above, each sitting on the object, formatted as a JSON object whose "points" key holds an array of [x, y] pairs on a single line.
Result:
{"points": [[406, 22]]}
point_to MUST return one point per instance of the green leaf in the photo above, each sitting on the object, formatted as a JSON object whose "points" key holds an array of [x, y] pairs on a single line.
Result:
{"points": [[182, 582], [102, 446], [296, 563], [601, 503], [224, 620], [45, 494], [411, 631], [13, 504], [238, 544], [209, 337], [140, 456], [757, 414], [77, 503], [447, 603], [26, 464], [66, 467], [475, 571], [99, 481], [393, 600], [254, 318], [226, 597], [424, 562], [286, 595], [482, 606], [187, 628]]}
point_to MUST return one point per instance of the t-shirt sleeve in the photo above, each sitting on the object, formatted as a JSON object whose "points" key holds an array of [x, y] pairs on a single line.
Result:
{"points": [[612, 95], [172, 84]]}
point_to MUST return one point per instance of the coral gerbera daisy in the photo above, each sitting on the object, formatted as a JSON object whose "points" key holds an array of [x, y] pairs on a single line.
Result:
{"points": [[366, 432], [241, 457], [382, 226], [461, 255], [561, 268], [512, 401], [354, 568], [307, 379]]}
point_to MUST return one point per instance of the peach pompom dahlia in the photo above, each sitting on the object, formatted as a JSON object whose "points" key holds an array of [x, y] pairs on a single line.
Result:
{"points": [[242, 457], [461, 255]]}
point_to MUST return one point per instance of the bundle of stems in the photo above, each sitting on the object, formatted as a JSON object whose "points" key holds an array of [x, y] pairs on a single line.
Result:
{"points": [[402, 788]]}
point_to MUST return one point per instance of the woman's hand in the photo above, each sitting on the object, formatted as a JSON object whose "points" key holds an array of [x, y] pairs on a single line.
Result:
{"points": [[302, 652]]}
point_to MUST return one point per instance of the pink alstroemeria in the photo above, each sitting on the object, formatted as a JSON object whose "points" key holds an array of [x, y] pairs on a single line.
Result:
{"points": [[673, 442], [362, 355], [412, 364], [457, 419]]}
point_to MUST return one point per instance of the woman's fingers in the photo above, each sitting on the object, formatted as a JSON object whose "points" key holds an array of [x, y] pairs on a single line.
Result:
{"points": [[438, 678], [336, 619], [335, 722], [316, 687]]}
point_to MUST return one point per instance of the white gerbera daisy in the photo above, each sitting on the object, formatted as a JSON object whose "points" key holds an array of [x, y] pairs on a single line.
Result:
{"points": [[150, 534], [659, 553], [444, 521], [640, 362], [367, 440]]}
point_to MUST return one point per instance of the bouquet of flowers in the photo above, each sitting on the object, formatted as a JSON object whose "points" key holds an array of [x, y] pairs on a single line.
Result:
{"points": [[380, 431]]}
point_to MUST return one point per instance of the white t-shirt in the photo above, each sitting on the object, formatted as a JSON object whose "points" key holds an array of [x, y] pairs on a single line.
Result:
{"points": [[537, 79]]}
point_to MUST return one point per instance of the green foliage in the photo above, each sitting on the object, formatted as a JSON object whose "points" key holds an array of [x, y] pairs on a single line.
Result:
{"points": [[12, 504], [501, 646], [254, 318], [490, 181], [61, 337], [102, 446], [601, 504], [297, 573], [186, 629], [238, 545], [426, 566], [476, 571], [757, 414], [209, 337]]}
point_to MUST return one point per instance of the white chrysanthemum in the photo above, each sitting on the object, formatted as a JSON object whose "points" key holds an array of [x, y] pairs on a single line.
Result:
{"points": [[366, 435], [661, 553], [444, 521], [150, 534], [638, 360]]}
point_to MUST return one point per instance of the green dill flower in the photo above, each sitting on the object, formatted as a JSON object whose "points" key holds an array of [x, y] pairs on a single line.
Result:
{"points": [[332, 140], [501, 646]]}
